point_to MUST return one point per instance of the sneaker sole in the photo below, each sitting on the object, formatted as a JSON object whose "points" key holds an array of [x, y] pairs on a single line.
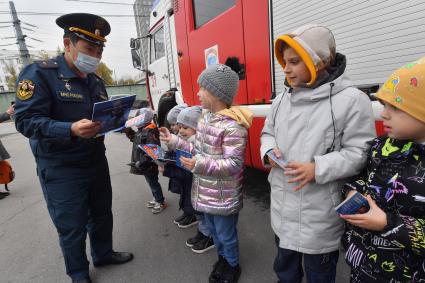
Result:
{"points": [[189, 245], [204, 250], [156, 211], [187, 226]]}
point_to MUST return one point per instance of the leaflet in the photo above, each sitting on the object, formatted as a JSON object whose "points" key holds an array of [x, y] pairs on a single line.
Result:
{"points": [[112, 113]]}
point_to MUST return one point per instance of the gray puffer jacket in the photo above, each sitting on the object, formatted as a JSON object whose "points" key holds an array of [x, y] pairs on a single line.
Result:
{"points": [[300, 126]]}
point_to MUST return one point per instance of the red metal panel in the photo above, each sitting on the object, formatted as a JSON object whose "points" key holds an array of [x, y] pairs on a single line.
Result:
{"points": [[183, 52], [226, 31], [257, 50], [254, 142]]}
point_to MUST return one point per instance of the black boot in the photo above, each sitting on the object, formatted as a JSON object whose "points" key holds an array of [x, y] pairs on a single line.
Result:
{"points": [[231, 274], [115, 258], [217, 272]]}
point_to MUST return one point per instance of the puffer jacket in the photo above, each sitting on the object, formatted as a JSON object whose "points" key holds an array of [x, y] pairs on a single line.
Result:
{"points": [[300, 125], [220, 155]]}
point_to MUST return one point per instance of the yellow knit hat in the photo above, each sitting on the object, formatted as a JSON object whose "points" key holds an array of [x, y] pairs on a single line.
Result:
{"points": [[405, 89]]}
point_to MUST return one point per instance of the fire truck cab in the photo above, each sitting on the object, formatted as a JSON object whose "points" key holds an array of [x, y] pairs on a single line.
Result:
{"points": [[186, 36]]}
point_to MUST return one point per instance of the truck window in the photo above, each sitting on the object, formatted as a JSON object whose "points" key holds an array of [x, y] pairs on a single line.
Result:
{"points": [[157, 45], [205, 10]]}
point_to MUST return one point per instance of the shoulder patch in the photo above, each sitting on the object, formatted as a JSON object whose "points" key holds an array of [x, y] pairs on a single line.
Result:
{"points": [[25, 89], [48, 64]]}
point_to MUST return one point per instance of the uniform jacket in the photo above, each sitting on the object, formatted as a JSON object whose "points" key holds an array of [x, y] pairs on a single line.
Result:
{"points": [[394, 177], [3, 152], [55, 98], [220, 154], [300, 126]]}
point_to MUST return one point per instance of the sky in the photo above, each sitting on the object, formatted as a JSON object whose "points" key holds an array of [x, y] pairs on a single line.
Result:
{"points": [[116, 54]]}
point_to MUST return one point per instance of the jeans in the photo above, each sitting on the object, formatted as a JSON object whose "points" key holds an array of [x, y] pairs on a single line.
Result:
{"points": [[155, 187], [202, 225], [225, 235], [319, 268]]}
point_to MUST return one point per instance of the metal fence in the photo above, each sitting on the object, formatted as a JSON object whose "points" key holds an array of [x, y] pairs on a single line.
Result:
{"points": [[138, 89]]}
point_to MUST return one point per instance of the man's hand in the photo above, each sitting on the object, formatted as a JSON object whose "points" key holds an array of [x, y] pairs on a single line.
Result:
{"points": [[85, 128], [375, 219], [188, 163], [304, 172], [164, 134], [11, 110]]}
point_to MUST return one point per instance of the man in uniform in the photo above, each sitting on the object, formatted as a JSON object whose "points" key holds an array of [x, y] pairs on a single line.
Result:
{"points": [[53, 109]]}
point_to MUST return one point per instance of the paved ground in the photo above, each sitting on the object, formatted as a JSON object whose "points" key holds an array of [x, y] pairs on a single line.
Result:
{"points": [[29, 249]]}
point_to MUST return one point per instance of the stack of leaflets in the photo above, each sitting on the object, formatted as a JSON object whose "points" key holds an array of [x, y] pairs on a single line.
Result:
{"points": [[279, 161], [355, 204], [158, 154], [112, 113], [182, 153]]}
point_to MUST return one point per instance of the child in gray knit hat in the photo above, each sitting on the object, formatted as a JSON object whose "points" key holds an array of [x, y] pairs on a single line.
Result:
{"points": [[187, 120], [218, 163], [172, 117]]}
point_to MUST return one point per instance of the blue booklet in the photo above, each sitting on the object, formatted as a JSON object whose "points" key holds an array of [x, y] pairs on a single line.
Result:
{"points": [[112, 113], [279, 161], [355, 204], [157, 153], [182, 153]]}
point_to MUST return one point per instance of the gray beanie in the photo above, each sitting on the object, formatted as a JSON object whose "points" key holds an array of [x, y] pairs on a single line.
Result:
{"points": [[143, 118], [189, 116], [221, 81], [174, 112]]}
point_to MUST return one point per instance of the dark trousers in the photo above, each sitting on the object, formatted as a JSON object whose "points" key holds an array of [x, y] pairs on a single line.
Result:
{"points": [[319, 268], [155, 186], [79, 200]]}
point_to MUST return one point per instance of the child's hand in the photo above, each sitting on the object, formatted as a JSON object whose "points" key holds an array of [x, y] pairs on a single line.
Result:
{"points": [[164, 134], [278, 155], [304, 172], [375, 219], [188, 163]]}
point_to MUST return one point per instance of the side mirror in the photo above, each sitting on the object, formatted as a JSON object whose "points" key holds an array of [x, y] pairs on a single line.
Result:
{"points": [[137, 62]]}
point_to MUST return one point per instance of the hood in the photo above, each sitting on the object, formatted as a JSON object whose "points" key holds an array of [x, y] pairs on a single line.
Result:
{"points": [[334, 81], [313, 43], [242, 115]]}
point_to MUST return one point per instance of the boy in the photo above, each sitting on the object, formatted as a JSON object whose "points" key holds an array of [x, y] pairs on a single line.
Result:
{"points": [[320, 126], [387, 243], [141, 164]]}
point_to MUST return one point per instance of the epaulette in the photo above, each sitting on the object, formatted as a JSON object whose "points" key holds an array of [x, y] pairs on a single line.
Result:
{"points": [[48, 64]]}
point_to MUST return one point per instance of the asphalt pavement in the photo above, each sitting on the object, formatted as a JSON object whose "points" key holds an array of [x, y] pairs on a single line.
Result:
{"points": [[29, 248]]}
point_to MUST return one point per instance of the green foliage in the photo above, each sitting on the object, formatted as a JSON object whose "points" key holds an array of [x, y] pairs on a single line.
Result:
{"points": [[105, 73]]}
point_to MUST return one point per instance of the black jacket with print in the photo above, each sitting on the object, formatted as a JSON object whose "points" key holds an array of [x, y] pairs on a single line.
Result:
{"points": [[395, 179]]}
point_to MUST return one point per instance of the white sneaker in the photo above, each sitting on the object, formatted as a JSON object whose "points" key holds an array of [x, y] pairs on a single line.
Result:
{"points": [[159, 207], [151, 204]]}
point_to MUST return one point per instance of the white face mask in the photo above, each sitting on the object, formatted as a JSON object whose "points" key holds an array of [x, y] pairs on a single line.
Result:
{"points": [[86, 63]]}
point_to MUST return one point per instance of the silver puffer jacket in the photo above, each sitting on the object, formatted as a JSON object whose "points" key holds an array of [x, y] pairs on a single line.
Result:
{"points": [[220, 154]]}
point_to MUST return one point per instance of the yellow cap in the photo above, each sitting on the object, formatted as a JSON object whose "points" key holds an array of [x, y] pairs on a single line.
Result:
{"points": [[405, 89]]}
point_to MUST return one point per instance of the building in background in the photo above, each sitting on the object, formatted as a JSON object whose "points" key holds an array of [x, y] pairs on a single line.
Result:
{"points": [[142, 9]]}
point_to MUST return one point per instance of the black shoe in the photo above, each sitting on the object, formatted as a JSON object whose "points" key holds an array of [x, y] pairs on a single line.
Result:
{"points": [[204, 245], [180, 218], [116, 258], [4, 194], [231, 274], [85, 280], [188, 221], [218, 269], [192, 241]]}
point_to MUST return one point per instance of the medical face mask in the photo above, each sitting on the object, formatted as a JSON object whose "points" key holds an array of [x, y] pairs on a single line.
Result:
{"points": [[86, 64]]}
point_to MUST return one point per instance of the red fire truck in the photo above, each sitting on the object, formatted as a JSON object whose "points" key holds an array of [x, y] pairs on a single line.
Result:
{"points": [[185, 36]]}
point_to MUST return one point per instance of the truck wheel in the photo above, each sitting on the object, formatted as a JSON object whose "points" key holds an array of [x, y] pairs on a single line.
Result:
{"points": [[166, 103]]}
